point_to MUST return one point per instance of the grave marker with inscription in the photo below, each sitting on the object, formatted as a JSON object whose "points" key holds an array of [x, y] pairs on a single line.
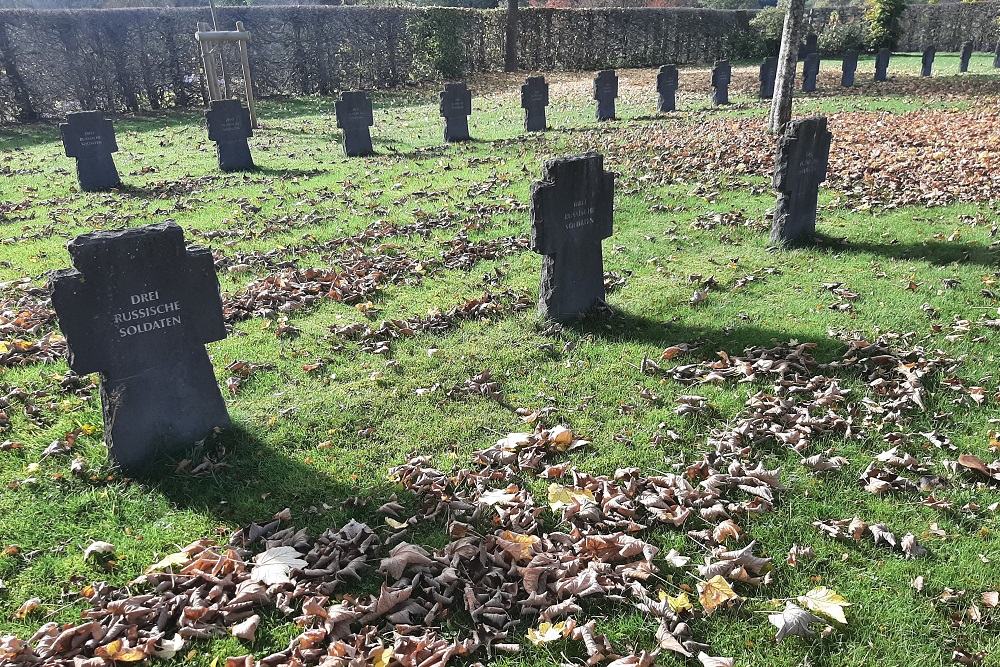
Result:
{"points": [[768, 74], [667, 82], [848, 69], [139, 308], [721, 75], [534, 99], [605, 92], [229, 127], [882, 64], [799, 168], [456, 107], [965, 57], [927, 61], [90, 138], [571, 213], [354, 118], [810, 72]]}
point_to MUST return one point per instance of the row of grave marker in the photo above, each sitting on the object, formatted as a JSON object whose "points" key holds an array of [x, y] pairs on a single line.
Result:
{"points": [[139, 306]]}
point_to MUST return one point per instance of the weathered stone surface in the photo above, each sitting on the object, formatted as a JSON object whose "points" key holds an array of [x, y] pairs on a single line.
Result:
{"points": [[799, 168], [90, 138], [229, 127], [534, 99], [605, 92], [882, 64], [848, 69], [965, 57], [721, 75], [354, 117], [810, 72], [811, 45], [138, 308], [996, 56], [927, 61], [768, 74], [667, 82], [572, 212], [456, 107]]}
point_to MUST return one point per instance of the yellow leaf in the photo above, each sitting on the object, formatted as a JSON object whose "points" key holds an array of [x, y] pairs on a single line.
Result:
{"points": [[715, 592], [519, 546], [679, 603], [118, 652], [392, 523], [382, 657], [561, 496], [546, 632], [826, 602], [178, 559]]}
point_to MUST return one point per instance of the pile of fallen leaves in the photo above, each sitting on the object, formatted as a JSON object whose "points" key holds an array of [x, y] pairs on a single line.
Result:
{"points": [[26, 320]]}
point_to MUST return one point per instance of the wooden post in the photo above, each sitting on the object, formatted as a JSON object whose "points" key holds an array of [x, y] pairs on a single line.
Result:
{"points": [[208, 63], [781, 105], [247, 81], [510, 37]]}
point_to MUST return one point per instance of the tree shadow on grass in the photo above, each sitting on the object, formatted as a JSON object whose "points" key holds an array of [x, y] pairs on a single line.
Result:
{"points": [[939, 253]]}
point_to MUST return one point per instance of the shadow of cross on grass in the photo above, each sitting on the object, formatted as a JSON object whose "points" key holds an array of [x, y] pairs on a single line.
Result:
{"points": [[939, 253]]}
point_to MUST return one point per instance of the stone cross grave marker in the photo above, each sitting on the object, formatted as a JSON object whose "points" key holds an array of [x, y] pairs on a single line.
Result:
{"points": [[456, 107], [811, 45], [848, 69], [605, 92], [534, 99], [768, 74], [571, 213], [667, 82], [927, 61], [996, 56], [229, 127], [721, 75], [882, 64], [354, 118], [138, 308], [90, 138], [965, 57], [810, 72], [799, 168]]}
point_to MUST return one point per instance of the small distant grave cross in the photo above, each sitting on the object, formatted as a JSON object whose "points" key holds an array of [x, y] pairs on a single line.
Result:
{"points": [[534, 99], [90, 138], [456, 107], [768, 74], [927, 61], [996, 56], [571, 213], [666, 85], [605, 92], [882, 64], [966, 56], [229, 127], [138, 308], [721, 75], [848, 69], [799, 168], [810, 72], [355, 117]]}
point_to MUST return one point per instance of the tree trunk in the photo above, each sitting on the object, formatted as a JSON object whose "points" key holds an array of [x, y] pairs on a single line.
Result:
{"points": [[781, 105], [510, 38], [22, 98]]}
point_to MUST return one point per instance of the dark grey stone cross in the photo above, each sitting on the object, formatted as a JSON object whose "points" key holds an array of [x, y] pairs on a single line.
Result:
{"points": [[456, 107], [768, 74], [810, 72], [355, 116], [572, 209], [90, 138], [229, 127], [927, 61], [721, 75], [534, 99], [849, 69], [882, 64], [799, 168], [811, 45], [965, 57], [666, 86], [605, 92], [138, 308]]}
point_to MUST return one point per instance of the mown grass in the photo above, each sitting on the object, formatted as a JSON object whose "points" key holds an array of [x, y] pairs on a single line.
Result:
{"points": [[313, 439]]}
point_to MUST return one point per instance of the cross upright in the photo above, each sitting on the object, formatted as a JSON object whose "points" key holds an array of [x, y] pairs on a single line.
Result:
{"points": [[810, 72], [965, 57], [768, 74], [90, 138], [882, 64], [849, 69], [721, 75], [534, 99], [571, 213], [229, 127], [138, 308], [799, 168], [355, 116], [605, 92], [927, 61], [666, 86], [456, 107]]}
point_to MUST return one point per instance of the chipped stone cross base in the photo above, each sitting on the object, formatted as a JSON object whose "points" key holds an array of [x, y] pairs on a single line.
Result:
{"points": [[605, 92], [534, 99], [965, 57], [848, 69], [721, 75], [799, 168], [355, 116], [571, 213], [882, 64], [810, 72], [229, 127], [90, 138], [768, 75], [138, 308], [666, 86], [456, 107], [927, 61]]}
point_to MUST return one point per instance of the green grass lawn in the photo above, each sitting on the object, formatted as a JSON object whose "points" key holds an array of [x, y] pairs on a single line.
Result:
{"points": [[309, 437]]}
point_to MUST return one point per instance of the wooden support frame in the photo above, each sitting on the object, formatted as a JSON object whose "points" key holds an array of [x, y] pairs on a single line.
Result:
{"points": [[209, 43]]}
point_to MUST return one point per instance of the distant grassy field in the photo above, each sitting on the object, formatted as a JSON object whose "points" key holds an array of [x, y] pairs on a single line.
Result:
{"points": [[322, 420]]}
